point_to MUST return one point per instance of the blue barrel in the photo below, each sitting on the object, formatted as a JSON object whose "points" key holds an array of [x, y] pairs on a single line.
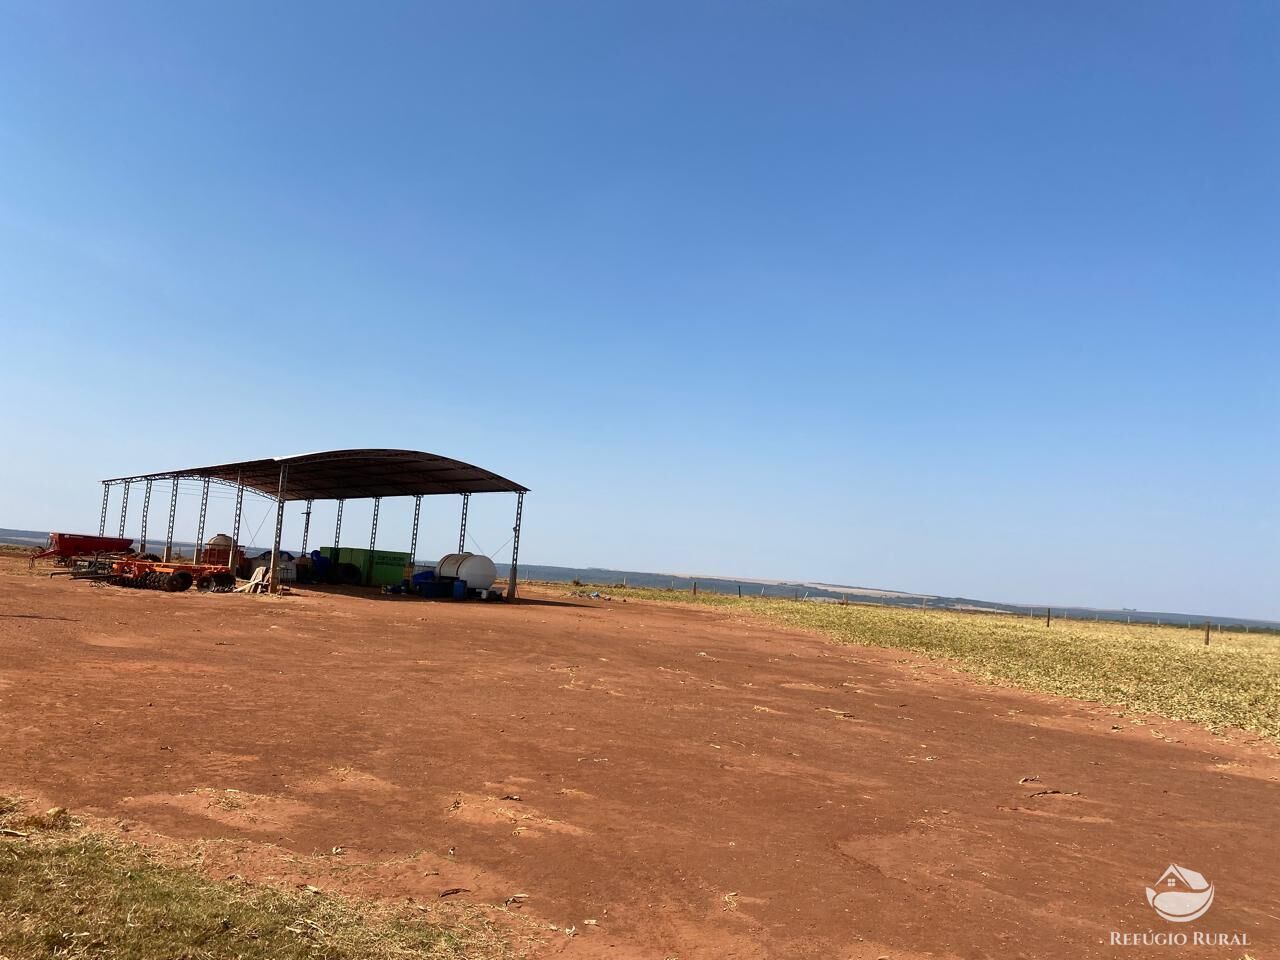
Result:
{"points": [[459, 589]]}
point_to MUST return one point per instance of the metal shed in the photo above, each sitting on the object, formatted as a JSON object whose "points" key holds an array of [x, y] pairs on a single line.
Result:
{"points": [[338, 475]]}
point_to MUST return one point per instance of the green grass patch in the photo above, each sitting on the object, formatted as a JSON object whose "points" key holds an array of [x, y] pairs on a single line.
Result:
{"points": [[1232, 682], [66, 893]]}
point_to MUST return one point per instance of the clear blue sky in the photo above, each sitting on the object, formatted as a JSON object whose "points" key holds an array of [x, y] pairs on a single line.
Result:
{"points": [[973, 299]]}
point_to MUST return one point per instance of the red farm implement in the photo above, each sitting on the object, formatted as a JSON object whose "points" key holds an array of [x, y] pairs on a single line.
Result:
{"points": [[170, 577], [65, 547]]}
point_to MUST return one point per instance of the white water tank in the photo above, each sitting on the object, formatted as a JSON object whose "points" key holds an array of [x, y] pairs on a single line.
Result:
{"points": [[475, 569]]}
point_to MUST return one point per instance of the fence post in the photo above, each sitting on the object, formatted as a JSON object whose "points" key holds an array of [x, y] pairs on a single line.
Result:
{"points": [[1206, 633], [1048, 616], [695, 588]]}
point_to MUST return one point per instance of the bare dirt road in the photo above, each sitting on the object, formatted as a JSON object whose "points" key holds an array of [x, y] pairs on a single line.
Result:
{"points": [[700, 786]]}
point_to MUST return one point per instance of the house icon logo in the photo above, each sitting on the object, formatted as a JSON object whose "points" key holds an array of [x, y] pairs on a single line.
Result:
{"points": [[1181, 895]]}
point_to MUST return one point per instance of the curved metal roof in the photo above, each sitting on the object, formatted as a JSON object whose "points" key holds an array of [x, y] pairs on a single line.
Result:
{"points": [[351, 475]]}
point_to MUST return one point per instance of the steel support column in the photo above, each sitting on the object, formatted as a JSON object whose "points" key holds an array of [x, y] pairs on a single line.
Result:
{"points": [[146, 508], [515, 546], [173, 511], [235, 525], [462, 531], [337, 537], [124, 506], [204, 510], [306, 527], [373, 528], [102, 520], [413, 540], [275, 543]]}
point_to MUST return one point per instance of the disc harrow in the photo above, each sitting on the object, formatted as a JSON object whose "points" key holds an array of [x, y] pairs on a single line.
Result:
{"points": [[140, 574]]}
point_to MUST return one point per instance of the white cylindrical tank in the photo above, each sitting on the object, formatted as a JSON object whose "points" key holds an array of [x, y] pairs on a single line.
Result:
{"points": [[476, 570]]}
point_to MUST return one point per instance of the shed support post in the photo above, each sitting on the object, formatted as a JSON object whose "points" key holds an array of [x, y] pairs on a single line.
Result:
{"points": [[373, 528], [462, 531], [173, 512], [275, 544], [146, 508], [235, 525], [204, 510], [124, 506], [515, 546], [102, 520], [337, 538], [413, 539], [306, 527]]}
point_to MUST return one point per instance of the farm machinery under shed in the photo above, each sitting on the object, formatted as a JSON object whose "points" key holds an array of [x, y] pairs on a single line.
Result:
{"points": [[170, 577], [66, 547], [113, 560], [335, 475]]}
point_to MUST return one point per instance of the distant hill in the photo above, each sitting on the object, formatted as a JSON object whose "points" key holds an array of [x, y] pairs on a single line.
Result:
{"points": [[823, 592]]}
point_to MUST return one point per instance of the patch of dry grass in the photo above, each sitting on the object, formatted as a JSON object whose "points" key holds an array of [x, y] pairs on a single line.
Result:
{"points": [[68, 893]]}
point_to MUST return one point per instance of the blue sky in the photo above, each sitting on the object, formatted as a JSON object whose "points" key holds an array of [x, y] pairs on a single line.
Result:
{"points": [[974, 299]]}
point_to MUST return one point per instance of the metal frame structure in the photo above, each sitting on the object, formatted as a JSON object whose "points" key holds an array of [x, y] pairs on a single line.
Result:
{"points": [[306, 526], [462, 530], [124, 508], [173, 515], [106, 497], [146, 508], [204, 510], [338, 475]]}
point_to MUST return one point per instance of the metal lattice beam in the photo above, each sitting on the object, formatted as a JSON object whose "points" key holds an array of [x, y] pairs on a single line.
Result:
{"points": [[515, 546], [146, 508], [373, 527], [413, 540], [204, 510], [124, 508], [462, 530], [102, 520], [275, 543], [235, 526], [306, 527], [173, 512]]}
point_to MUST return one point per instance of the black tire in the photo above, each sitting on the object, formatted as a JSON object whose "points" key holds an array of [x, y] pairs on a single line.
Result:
{"points": [[224, 581], [350, 574], [178, 582], [204, 584]]}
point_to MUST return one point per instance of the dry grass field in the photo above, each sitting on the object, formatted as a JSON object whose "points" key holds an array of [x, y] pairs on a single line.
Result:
{"points": [[1234, 681]]}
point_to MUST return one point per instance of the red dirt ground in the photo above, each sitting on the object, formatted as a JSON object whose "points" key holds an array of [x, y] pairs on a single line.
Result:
{"points": [[702, 786]]}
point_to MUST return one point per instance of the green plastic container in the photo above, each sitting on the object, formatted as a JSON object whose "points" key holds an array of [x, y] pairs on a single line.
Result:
{"points": [[378, 568]]}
